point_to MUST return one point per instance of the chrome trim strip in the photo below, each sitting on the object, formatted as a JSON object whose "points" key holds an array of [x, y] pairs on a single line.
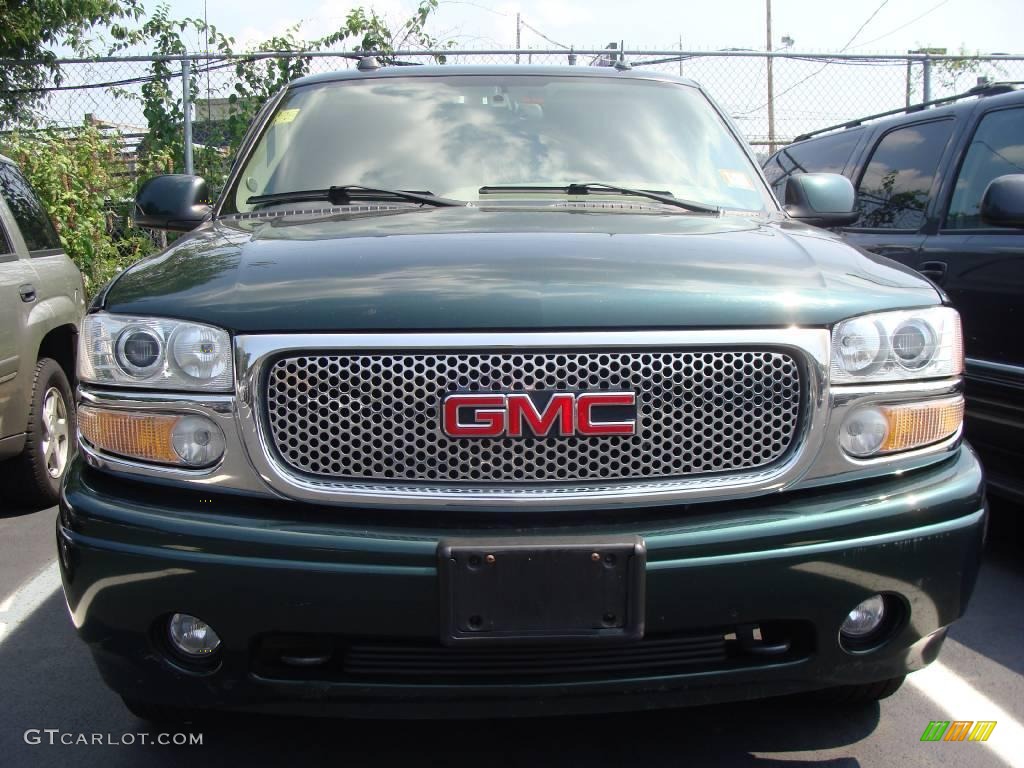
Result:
{"points": [[993, 367], [811, 347]]}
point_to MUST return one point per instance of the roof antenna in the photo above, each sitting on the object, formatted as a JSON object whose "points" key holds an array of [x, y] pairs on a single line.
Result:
{"points": [[620, 62], [367, 64]]}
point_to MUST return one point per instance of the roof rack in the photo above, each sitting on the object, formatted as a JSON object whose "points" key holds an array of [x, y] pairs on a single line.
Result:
{"points": [[981, 90]]}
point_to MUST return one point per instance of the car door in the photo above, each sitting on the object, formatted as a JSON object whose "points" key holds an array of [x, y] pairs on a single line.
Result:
{"points": [[13, 271], [39, 278], [896, 188], [982, 270]]}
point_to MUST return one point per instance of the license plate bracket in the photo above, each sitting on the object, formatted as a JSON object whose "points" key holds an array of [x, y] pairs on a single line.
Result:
{"points": [[521, 590]]}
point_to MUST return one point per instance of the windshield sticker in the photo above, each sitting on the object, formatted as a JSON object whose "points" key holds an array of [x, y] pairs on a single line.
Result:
{"points": [[736, 179], [285, 116]]}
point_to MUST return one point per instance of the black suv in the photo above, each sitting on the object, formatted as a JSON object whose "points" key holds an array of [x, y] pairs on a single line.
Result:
{"points": [[921, 176]]}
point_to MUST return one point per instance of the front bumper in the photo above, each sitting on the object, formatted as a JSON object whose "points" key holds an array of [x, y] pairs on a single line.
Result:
{"points": [[132, 553]]}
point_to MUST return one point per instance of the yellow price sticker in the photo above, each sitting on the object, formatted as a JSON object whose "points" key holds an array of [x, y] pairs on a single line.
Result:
{"points": [[285, 116]]}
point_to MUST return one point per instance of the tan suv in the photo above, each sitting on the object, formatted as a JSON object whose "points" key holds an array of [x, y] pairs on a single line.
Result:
{"points": [[42, 300]]}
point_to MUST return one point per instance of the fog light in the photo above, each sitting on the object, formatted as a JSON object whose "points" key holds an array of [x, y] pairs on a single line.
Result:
{"points": [[864, 431], [192, 637], [864, 619], [197, 440]]}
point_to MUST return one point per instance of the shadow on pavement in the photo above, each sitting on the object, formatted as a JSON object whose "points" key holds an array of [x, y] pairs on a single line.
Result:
{"points": [[9, 510], [50, 682], [995, 617]]}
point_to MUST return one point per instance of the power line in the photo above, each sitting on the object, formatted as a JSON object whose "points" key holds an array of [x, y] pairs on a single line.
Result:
{"points": [[541, 34], [861, 27], [821, 69], [113, 83], [903, 26]]}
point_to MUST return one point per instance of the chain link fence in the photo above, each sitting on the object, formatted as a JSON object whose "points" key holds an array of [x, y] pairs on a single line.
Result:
{"points": [[110, 123], [807, 92]]}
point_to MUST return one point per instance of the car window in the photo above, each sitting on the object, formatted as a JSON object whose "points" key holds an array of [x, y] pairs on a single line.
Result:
{"points": [[5, 246], [829, 154], [28, 212], [893, 192], [996, 150], [500, 129]]}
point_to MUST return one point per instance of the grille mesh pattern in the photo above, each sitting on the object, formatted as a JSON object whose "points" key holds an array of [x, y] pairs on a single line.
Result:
{"points": [[377, 416]]}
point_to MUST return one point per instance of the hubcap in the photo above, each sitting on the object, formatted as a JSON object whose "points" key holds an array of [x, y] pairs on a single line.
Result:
{"points": [[55, 432]]}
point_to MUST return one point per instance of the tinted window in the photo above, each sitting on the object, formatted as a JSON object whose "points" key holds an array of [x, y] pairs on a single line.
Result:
{"points": [[893, 192], [5, 247], [28, 212], [828, 154], [996, 150]]}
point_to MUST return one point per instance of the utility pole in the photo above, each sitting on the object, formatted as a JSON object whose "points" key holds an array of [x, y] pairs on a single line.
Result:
{"points": [[771, 81], [518, 30]]}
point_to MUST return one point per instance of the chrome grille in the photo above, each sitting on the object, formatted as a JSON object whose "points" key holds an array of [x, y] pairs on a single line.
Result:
{"points": [[376, 416]]}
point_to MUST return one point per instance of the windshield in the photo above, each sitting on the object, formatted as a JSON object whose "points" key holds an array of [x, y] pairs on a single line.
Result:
{"points": [[452, 135]]}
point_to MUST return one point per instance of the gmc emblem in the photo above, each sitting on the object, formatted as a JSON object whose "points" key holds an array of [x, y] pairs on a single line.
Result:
{"points": [[528, 414]]}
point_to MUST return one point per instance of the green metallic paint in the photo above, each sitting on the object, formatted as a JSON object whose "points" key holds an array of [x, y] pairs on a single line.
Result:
{"points": [[135, 553], [511, 266], [134, 514]]}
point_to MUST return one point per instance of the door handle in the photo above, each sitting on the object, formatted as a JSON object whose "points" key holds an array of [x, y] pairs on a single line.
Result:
{"points": [[27, 292], [933, 270]]}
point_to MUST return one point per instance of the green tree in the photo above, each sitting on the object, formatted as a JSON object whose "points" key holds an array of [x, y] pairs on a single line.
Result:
{"points": [[256, 78], [954, 75], [79, 176], [30, 29]]}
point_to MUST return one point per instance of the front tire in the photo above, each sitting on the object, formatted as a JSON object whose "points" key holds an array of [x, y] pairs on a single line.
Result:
{"points": [[34, 477]]}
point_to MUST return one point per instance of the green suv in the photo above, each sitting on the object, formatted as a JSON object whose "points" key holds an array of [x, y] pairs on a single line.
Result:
{"points": [[512, 391]]}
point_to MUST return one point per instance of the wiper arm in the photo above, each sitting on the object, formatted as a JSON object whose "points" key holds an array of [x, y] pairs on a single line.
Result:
{"points": [[594, 186], [348, 193]]}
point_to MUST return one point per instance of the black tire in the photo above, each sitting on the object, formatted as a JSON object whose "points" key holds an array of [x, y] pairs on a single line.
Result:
{"points": [[858, 695], [33, 478], [152, 712]]}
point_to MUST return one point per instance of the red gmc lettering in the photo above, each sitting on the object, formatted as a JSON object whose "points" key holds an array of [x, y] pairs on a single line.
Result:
{"points": [[585, 423], [559, 408], [517, 415], [488, 414]]}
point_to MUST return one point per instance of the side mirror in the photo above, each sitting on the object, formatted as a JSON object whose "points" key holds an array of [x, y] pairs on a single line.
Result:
{"points": [[821, 199], [175, 201], [1002, 205]]}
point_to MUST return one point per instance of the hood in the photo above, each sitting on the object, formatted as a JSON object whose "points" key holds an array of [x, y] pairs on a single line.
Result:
{"points": [[490, 269]]}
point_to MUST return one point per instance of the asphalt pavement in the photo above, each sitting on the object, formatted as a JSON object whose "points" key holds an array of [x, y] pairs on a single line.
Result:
{"points": [[47, 681]]}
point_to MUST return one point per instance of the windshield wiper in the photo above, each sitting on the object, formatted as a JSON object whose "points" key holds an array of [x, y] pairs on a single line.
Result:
{"points": [[349, 193], [596, 186]]}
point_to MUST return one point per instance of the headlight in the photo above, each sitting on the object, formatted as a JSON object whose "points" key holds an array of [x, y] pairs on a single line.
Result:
{"points": [[895, 346], [154, 352]]}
